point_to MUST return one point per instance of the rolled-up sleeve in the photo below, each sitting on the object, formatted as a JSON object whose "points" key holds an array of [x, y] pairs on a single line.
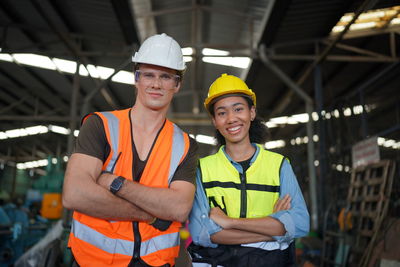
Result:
{"points": [[201, 227], [296, 220]]}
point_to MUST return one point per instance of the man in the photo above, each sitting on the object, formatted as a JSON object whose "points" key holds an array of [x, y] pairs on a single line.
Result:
{"points": [[257, 207], [130, 180]]}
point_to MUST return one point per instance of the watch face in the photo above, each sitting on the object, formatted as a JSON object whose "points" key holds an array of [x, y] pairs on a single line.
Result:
{"points": [[116, 184]]}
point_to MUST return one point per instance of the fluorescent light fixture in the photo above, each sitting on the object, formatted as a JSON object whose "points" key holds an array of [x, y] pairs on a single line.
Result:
{"points": [[68, 66], [83, 71], [339, 167], [214, 52], [187, 51], [336, 113], [238, 62], [59, 129], [271, 124], [6, 57], [381, 141], [187, 59], [32, 164], [124, 77], [301, 118], [93, 71], [371, 19], [39, 129], [358, 109], [3, 135], [99, 71], [388, 143], [347, 112], [315, 116], [279, 120], [76, 133], [16, 133], [316, 163], [35, 60], [395, 21], [63, 65], [275, 144], [205, 139]]}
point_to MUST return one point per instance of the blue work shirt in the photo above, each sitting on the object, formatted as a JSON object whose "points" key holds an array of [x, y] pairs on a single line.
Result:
{"points": [[296, 220]]}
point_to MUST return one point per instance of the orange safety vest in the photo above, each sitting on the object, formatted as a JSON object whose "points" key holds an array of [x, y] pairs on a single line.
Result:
{"points": [[98, 242]]}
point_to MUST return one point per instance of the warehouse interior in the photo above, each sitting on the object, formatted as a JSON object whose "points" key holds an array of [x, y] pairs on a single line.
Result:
{"points": [[327, 79]]}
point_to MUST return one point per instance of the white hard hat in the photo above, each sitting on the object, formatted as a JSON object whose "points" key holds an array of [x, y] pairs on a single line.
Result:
{"points": [[161, 50]]}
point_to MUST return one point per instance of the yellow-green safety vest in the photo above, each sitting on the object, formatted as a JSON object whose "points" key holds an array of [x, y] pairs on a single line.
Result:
{"points": [[248, 195]]}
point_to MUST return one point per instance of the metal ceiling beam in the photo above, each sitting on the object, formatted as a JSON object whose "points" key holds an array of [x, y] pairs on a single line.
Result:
{"points": [[12, 13], [13, 103], [72, 47], [34, 118], [285, 100], [19, 91], [356, 49], [155, 13], [336, 58], [126, 21], [47, 91], [310, 132]]}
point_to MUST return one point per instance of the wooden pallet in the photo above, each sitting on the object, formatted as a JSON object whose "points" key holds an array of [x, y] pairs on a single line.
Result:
{"points": [[367, 201]]}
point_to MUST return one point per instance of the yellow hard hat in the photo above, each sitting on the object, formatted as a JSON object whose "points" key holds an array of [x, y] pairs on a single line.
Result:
{"points": [[228, 84]]}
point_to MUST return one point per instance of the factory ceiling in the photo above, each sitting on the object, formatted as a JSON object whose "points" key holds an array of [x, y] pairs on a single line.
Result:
{"points": [[340, 57]]}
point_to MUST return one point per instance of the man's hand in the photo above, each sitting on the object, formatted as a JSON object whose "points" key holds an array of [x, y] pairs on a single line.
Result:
{"points": [[218, 216], [161, 225], [105, 180], [282, 204]]}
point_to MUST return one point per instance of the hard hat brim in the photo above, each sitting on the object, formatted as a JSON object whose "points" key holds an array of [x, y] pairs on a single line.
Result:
{"points": [[211, 100]]}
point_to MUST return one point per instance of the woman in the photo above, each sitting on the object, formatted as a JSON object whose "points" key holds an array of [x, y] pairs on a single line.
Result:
{"points": [[248, 206]]}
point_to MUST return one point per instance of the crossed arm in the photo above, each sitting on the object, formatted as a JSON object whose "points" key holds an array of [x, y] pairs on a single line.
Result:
{"points": [[248, 230], [86, 190]]}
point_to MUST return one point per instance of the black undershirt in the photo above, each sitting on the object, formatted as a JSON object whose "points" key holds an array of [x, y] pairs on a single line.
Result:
{"points": [[92, 141]]}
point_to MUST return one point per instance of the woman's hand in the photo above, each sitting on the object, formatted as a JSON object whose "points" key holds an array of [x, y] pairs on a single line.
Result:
{"points": [[282, 204], [218, 216]]}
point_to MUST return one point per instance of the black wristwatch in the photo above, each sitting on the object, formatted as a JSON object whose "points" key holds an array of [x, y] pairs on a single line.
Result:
{"points": [[116, 185]]}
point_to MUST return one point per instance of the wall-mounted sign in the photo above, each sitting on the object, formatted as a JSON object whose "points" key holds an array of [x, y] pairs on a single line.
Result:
{"points": [[365, 152]]}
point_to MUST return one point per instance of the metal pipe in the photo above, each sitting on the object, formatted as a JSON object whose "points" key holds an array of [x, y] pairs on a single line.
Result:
{"points": [[275, 69], [319, 97], [73, 110], [310, 145], [311, 168]]}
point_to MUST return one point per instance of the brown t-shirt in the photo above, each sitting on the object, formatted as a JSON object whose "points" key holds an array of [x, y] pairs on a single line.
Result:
{"points": [[92, 141]]}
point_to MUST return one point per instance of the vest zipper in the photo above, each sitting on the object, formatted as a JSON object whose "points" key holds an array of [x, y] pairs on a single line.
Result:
{"points": [[243, 195], [138, 241]]}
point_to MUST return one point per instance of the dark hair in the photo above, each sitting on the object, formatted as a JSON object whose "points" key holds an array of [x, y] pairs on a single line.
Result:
{"points": [[258, 131]]}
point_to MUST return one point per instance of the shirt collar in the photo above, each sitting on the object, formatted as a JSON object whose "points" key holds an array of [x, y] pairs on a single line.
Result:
{"points": [[237, 165]]}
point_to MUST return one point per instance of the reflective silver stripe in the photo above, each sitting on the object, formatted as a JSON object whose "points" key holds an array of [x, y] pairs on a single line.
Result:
{"points": [[113, 128], [159, 242], [178, 147], [87, 234], [120, 246]]}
